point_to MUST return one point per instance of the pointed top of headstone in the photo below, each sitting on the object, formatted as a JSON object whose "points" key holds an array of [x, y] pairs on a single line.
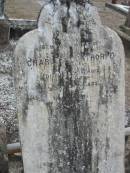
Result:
{"points": [[65, 10]]}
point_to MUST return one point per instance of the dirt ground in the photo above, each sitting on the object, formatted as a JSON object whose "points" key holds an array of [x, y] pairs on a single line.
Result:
{"points": [[26, 9]]}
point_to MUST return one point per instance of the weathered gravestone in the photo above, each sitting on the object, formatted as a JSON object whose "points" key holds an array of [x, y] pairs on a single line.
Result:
{"points": [[70, 92]]}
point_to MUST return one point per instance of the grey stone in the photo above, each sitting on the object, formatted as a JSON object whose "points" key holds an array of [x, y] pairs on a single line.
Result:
{"points": [[70, 93], [2, 8], [3, 150]]}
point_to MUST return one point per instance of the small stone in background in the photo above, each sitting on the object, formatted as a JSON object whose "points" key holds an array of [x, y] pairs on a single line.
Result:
{"points": [[3, 151]]}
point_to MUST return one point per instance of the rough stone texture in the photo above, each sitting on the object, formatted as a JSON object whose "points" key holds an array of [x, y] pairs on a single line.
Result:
{"points": [[3, 150], [69, 80], [7, 92], [127, 85]]}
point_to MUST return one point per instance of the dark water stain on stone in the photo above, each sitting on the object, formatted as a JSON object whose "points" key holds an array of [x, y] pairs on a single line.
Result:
{"points": [[70, 128], [25, 107], [64, 24], [115, 88], [61, 75], [70, 123], [103, 94], [97, 164], [86, 37], [107, 147], [78, 23], [97, 156], [71, 52], [79, 152], [56, 50], [68, 2]]}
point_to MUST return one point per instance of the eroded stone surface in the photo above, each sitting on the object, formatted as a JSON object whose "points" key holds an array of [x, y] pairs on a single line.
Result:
{"points": [[70, 93]]}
